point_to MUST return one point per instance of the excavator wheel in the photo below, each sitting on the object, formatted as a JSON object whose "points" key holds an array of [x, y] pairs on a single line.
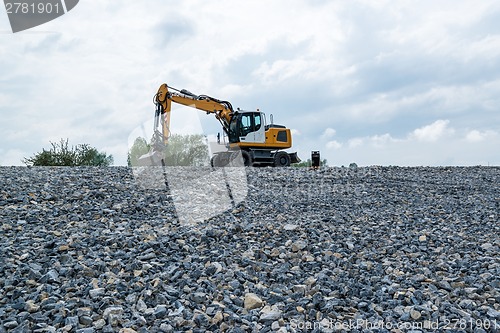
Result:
{"points": [[220, 160], [247, 158], [281, 159], [215, 161]]}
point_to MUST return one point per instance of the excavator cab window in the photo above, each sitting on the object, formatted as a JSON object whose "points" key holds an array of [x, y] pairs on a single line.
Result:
{"points": [[246, 124], [257, 121], [234, 129]]}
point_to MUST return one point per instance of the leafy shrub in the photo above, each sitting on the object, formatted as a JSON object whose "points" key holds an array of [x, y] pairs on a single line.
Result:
{"points": [[60, 154]]}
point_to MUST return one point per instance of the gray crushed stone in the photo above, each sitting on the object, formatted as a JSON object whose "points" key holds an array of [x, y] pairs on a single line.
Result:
{"points": [[336, 249]]}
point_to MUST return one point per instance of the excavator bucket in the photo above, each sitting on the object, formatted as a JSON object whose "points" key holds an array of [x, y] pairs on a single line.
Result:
{"points": [[152, 158], [156, 152]]}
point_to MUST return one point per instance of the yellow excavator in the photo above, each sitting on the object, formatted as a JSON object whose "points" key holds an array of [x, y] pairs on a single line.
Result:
{"points": [[260, 144]]}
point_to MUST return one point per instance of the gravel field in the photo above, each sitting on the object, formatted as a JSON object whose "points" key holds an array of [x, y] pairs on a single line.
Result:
{"points": [[376, 249]]}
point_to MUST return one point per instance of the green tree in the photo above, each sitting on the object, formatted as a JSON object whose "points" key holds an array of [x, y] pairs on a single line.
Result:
{"points": [[187, 150], [181, 150], [61, 154], [139, 148], [308, 163]]}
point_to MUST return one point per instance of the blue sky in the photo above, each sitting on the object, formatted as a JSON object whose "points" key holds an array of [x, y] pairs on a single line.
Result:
{"points": [[371, 82]]}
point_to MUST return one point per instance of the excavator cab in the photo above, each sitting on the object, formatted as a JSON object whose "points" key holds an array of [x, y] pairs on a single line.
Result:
{"points": [[247, 127]]}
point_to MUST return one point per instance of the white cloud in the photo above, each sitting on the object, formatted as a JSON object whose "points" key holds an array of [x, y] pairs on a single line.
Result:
{"points": [[432, 132], [355, 142], [375, 141], [380, 141], [474, 136], [478, 136], [328, 133], [387, 150], [281, 70], [333, 145]]}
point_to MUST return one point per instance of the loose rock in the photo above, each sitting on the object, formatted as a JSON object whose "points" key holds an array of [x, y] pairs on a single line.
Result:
{"points": [[92, 250], [252, 301]]}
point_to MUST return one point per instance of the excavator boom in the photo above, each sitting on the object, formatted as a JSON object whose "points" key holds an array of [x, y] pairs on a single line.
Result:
{"points": [[223, 110]]}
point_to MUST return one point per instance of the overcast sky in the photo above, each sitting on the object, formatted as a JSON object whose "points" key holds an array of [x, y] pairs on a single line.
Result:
{"points": [[371, 82]]}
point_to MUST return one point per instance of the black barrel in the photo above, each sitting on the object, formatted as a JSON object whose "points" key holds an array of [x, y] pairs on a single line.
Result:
{"points": [[315, 159]]}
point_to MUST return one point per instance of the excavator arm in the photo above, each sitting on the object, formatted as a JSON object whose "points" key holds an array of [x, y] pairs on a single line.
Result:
{"points": [[163, 99]]}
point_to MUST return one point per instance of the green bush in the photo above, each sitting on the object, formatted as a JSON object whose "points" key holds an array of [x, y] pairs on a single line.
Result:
{"points": [[308, 163], [60, 154]]}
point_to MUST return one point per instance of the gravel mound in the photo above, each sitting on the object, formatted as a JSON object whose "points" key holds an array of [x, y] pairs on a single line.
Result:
{"points": [[384, 249]]}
